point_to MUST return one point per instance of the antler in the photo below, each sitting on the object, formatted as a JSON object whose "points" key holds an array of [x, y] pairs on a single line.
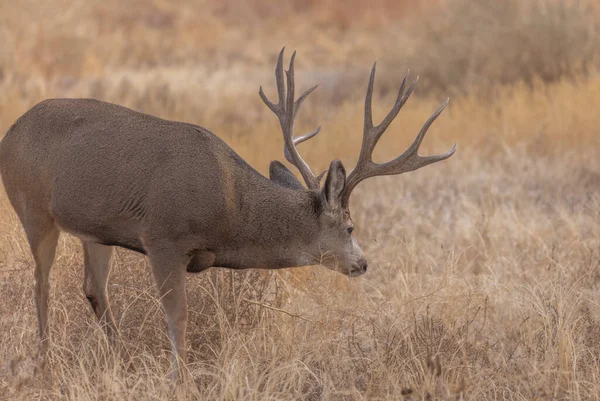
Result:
{"points": [[407, 161], [286, 109]]}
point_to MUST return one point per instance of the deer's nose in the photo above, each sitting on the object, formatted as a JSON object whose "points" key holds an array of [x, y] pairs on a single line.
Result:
{"points": [[363, 265]]}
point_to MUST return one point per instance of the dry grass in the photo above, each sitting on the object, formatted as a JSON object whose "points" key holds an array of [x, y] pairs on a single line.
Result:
{"points": [[485, 269]]}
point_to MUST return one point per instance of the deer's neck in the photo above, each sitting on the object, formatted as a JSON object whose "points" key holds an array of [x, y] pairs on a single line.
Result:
{"points": [[275, 227]]}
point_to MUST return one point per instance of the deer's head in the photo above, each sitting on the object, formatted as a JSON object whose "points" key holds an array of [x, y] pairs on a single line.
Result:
{"points": [[339, 249]]}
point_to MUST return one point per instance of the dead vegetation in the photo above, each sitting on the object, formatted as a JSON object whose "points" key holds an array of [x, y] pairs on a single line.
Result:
{"points": [[485, 270]]}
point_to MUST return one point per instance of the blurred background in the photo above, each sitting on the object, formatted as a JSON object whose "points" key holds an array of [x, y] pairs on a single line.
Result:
{"points": [[484, 270], [203, 61]]}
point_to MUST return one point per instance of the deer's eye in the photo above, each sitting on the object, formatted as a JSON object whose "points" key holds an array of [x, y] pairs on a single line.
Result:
{"points": [[350, 230]]}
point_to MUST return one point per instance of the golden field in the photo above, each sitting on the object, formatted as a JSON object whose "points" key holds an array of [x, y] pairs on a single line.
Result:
{"points": [[484, 277]]}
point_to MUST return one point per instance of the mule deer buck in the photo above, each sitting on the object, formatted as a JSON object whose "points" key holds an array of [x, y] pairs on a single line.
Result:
{"points": [[178, 194]]}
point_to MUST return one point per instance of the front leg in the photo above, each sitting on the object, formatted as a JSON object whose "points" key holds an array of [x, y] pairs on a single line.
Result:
{"points": [[168, 268]]}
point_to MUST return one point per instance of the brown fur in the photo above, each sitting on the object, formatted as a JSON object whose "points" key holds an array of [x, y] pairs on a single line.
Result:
{"points": [[179, 194], [174, 191]]}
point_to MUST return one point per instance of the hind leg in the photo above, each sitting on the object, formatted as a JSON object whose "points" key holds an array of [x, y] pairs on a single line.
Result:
{"points": [[42, 235], [97, 267]]}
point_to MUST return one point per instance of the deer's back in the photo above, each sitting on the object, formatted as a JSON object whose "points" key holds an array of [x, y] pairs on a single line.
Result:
{"points": [[98, 166]]}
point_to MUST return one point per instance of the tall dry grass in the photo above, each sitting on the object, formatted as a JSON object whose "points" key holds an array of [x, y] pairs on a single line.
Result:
{"points": [[484, 269]]}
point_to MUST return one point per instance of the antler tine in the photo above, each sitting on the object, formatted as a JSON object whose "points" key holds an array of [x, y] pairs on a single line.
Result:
{"points": [[410, 159], [298, 102], [279, 77], [291, 87], [286, 109], [369, 97], [372, 133], [280, 87], [414, 147], [400, 100], [306, 137], [407, 161]]}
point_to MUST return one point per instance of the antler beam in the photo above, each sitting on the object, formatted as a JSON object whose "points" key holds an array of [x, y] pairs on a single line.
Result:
{"points": [[286, 109]]}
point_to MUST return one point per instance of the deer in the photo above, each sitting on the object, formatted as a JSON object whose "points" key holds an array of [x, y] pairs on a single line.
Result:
{"points": [[177, 193]]}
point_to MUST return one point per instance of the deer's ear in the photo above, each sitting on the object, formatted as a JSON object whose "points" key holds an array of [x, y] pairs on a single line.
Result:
{"points": [[334, 184], [283, 176]]}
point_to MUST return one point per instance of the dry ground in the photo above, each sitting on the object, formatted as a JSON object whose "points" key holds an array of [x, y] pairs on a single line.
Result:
{"points": [[484, 278]]}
